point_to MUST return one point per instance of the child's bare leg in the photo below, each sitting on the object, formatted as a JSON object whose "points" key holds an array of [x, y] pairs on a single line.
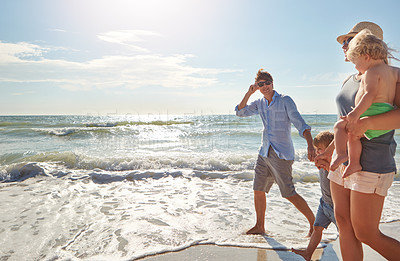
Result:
{"points": [[312, 245], [355, 149], [340, 144]]}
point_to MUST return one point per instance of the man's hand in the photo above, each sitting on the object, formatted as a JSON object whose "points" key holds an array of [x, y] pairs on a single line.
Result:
{"points": [[311, 153], [253, 88]]}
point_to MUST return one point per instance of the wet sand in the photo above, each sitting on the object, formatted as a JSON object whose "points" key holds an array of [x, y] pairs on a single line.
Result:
{"points": [[329, 253]]}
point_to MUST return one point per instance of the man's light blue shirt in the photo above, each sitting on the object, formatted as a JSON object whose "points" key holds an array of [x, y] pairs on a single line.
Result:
{"points": [[276, 118]]}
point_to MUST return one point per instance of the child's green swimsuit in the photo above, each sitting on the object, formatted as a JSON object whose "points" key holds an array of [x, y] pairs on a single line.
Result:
{"points": [[375, 109]]}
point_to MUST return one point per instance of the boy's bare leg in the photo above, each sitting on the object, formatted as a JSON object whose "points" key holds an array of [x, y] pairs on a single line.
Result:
{"points": [[260, 204], [303, 207], [355, 149], [340, 145], [312, 245]]}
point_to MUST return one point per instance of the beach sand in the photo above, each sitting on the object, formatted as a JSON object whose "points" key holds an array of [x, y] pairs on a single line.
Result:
{"points": [[329, 253]]}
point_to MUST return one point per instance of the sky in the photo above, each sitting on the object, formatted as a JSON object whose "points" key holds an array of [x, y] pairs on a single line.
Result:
{"points": [[102, 57]]}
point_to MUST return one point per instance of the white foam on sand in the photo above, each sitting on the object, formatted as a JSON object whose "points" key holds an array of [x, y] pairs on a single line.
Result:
{"points": [[97, 214]]}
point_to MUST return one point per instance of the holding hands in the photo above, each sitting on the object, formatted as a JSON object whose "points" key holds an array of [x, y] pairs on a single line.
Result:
{"points": [[323, 160], [311, 153]]}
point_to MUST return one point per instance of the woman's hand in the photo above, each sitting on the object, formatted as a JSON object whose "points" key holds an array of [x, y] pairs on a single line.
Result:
{"points": [[350, 118], [323, 160], [358, 127], [322, 164]]}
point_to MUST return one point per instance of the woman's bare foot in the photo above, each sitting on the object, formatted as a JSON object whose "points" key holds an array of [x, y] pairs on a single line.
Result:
{"points": [[337, 160], [351, 169], [256, 231], [302, 253]]}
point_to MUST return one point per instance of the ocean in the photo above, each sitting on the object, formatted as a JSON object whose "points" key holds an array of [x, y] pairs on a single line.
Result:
{"points": [[125, 187]]}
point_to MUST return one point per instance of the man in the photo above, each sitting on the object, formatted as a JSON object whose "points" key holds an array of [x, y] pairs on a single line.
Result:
{"points": [[276, 155]]}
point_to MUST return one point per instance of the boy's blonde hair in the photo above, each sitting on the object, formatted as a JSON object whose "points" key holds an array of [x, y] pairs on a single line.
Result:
{"points": [[324, 138], [365, 43]]}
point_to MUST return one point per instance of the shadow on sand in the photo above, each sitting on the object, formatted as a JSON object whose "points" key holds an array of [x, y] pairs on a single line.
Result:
{"points": [[324, 254]]}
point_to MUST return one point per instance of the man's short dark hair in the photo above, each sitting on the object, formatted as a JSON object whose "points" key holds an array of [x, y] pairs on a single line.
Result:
{"points": [[263, 75]]}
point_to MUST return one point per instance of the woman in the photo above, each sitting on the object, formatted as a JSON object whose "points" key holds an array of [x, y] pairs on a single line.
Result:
{"points": [[358, 201]]}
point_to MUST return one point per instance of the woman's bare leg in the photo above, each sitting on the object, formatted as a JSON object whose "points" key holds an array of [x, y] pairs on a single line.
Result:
{"points": [[366, 210], [350, 246]]}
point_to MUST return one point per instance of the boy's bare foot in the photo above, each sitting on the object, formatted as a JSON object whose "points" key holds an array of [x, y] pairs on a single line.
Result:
{"points": [[302, 253], [351, 169], [256, 231], [337, 160]]}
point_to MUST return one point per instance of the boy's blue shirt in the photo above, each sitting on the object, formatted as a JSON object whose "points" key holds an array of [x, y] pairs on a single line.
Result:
{"points": [[276, 118]]}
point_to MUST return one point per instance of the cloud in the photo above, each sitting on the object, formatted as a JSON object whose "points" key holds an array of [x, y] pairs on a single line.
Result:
{"points": [[21, 93], [127, 37], [131, 71], [317, 85], [18, 52], [57, 30], [333, 77]]}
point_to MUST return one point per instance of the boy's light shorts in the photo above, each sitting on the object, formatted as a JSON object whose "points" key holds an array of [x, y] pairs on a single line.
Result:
{"points": [[363, 181], [325, 215], [273, 169]]}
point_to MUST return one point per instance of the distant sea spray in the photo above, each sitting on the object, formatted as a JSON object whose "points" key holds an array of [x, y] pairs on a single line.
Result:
{"points": [[206, 143]]}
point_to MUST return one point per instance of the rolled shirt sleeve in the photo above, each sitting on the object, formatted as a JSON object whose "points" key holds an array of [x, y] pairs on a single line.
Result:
{"points": [[248, 110], [295, 116]]}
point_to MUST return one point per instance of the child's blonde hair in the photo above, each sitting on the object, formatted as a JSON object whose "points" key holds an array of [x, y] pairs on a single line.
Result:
{"points": [[324, 138], [365, 43]]}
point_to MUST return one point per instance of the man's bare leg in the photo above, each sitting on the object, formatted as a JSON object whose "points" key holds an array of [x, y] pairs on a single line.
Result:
{"points": [[260, 204], [303, 207]]}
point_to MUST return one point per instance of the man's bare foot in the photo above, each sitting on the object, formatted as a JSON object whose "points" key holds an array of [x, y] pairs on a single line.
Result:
{"points": [[256, 231], [337, 160], [302, 253], [351, 169]]}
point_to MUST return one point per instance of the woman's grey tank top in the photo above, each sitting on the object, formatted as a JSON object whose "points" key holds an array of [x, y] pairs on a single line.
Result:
{"points": [[378, 153]]}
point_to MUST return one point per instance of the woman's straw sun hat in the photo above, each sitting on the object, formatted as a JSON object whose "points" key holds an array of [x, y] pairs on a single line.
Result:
{"points": [[374, 28]]}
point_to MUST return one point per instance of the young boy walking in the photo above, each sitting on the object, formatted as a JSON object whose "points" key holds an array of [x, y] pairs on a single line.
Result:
{"points": [[325, 214], [276, 155]]}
